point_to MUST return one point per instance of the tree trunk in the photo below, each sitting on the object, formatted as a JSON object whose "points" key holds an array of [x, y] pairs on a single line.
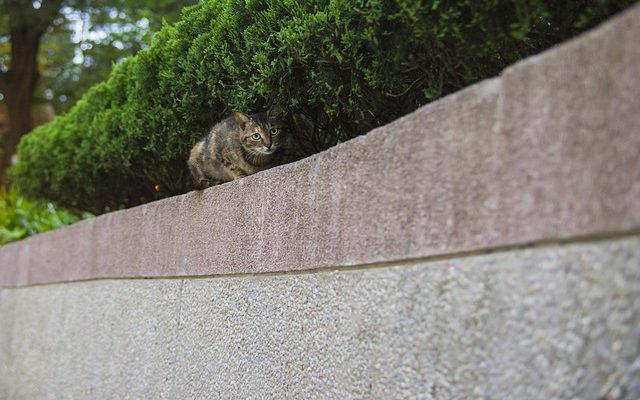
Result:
{"points": [[27, 25], [20, 85]]}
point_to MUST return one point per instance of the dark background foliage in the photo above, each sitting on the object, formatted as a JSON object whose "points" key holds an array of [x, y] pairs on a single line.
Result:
{"points": [[339, 68], [52, 51]]}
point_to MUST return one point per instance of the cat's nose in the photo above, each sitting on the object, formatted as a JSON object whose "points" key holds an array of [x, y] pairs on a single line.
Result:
{"points": [[268, 146]]}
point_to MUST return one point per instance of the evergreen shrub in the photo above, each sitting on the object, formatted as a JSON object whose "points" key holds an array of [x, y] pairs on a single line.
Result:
{"points": [[337, 67]]}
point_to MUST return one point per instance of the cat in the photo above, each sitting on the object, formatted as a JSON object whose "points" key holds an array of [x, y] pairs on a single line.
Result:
{"points": [[238, 146]]}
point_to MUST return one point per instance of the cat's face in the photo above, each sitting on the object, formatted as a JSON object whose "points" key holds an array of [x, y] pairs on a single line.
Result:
{"points": [[261, 134]]}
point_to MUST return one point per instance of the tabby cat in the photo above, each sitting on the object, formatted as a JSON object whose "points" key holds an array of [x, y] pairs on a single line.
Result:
{"points": [[238, 146]]}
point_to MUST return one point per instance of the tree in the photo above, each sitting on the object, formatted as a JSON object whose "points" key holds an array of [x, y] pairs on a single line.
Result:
{"points": [[27, 22], [119, 27]]}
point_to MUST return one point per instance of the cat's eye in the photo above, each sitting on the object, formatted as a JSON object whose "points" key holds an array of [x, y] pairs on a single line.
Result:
{"points": [[273, 131], [256, 136]]}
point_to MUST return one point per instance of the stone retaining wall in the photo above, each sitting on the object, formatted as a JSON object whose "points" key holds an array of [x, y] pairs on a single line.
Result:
{"points": [[484, 246]]}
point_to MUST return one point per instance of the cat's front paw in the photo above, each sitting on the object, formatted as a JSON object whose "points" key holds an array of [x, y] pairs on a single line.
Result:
{"points": [[203, 184]]}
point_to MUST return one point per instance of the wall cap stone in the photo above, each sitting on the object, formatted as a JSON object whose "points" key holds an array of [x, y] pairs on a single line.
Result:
{"points": [[550, 149]]}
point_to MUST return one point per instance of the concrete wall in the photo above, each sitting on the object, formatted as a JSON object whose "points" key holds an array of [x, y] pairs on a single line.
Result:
{"points": [[485, 246], [542, 323]]}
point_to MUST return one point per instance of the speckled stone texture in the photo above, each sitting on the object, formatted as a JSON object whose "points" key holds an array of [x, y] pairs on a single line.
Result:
{"points": [[551, 149], [557, 322]]}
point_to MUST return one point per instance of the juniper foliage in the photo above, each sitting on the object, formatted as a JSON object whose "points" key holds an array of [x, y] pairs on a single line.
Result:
{"points": [[338, 67]]}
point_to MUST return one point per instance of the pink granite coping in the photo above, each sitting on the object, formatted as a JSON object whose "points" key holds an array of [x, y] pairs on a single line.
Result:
{"points": [[551, 149]]}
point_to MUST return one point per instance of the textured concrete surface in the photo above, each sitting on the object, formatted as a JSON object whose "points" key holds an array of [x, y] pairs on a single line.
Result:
{"points": [[546, 323], [550, 149]]}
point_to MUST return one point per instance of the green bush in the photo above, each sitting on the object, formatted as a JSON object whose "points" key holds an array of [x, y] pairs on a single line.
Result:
{"points": [[339, 68], [20, 217]]}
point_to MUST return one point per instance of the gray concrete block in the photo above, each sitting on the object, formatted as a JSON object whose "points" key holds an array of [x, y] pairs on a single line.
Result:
{"points": [[570, 127], [550, 322]]}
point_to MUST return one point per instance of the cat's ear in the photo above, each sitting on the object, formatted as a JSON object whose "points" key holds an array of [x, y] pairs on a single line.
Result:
{"points": [[241, 118], [275, 112]]}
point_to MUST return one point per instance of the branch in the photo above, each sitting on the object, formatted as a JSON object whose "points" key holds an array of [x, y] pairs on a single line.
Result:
{"points": [[48, 11], [23, 15]]}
